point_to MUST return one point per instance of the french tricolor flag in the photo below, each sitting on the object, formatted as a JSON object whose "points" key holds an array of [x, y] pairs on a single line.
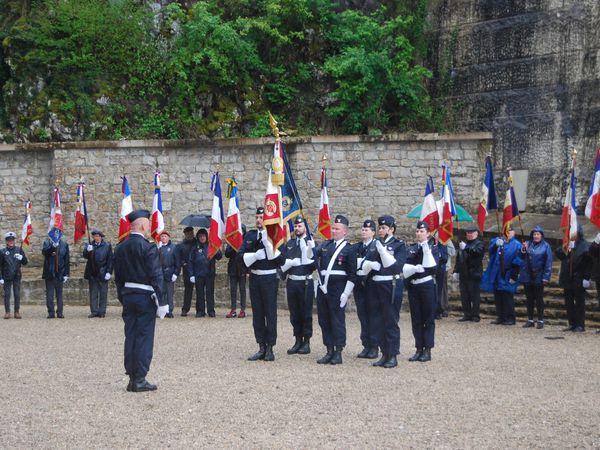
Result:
{"points": [[158, 221], [27, 229], [324, 227], [511, 210], [233, 226], [217, 223], [488, 200], [592, 207], [568, 221], [429, 210], [55, 227], [446, 229], [81, 217], [126, 208]]}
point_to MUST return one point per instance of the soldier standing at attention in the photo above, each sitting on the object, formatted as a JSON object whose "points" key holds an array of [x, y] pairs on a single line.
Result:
{"points": [[169, 263], [57, 268], [98, 270], [139, 281], [11, 260], [184, 248]]}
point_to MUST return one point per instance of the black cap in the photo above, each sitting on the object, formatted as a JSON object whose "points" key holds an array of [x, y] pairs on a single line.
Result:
{"points": [[188, 229], [369, 224], [138, 214], [471, 228], [298, 219], [202, 231], [98, 232], [421, 224], [387, 220], [260, 210], [341, 219]]}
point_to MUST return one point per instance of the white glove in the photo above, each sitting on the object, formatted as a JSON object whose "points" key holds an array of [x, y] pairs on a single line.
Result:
{"points": [[597, 239], [462, 245], [386, 259], [499, 242], [572, 244], [1, 282], [379, 246], [18, 256], [173, 278], [65, 279], [346, 293], [260, 254], [456, 277], [296, 262], [54, 244], [586, 284], [367, 266], [89, 247], [311, 243], [343, 299], [162, 311], [425, 246], [193, 280], [419, 268], [287, 265], [251, 258], [107, 277]]}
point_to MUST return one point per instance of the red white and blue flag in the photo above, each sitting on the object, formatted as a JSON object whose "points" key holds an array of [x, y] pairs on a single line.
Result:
{"points": [[126, 208], [488, 200], [324, 227], [217, 222], [233, 225], [429, 210], [568, 221], [592, 207], [55, 226], [511, 210], [27, 229], [158, 221], [446, 229], [81, 217]]}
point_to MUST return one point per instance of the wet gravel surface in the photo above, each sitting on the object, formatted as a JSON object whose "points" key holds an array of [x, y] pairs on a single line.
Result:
{"points": [[487, 386]]}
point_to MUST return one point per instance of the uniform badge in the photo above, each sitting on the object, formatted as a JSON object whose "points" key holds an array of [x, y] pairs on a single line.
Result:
{"points": [[7, 253]]}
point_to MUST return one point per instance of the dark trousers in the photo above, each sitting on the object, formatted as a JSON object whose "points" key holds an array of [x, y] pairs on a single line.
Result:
{"points": [[470, 296], [168, 292], [422, 301], [205, 294], [505, 306], [300, 303], [366, 311], [15, 287], [387, 314], [332, 319], [442, 292], [263, 297], [188, 290], [534, 294], [98, 295], [235, 284], [54, 287], [575, 303], [139, 315]]}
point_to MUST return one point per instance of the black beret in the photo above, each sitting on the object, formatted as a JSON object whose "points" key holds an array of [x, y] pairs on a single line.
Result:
{"points": [[138, 214], [471, 228], [298, 219], [98, 232], [188, 229], [387, 220], [260, 210], [421, 224], [341, 219], [369, 224]]}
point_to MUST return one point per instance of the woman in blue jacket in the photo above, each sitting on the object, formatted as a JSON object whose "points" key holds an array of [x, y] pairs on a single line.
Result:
{"points": [[536, 269]]}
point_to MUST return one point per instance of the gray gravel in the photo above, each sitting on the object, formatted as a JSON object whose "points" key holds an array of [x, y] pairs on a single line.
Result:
{"points": [[487, 387]]}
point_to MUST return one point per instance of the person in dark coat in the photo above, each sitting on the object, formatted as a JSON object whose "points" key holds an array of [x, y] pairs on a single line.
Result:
{"points": [[595, 254], [11, 260], [184, 248], [441, 278], [535, 273], [98, 271], [57, 269], [468, 271], [574, 278], [202, 273], [169, 263], [237, 273]]}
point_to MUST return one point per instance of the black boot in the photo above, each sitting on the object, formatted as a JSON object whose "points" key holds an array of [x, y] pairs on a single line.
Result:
{"points": [[426, 355], [294, 349], [269, 356], [140, 384], [416, 356], [305, 347], [373, 353], [337, 356], [327, 358], [363, 353], [260, 354], [130, 384], [381, 361], [391, 362]]}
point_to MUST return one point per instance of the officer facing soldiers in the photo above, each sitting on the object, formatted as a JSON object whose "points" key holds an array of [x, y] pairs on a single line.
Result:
{"points": [[11, 260], [98, 270], [139, 281], [299, 265], [336, 281], [419, 272], [258, 256], [57, 268]]}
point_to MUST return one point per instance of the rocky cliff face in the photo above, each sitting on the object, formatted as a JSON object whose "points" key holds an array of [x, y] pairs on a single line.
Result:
{"points": [[528, 71]]}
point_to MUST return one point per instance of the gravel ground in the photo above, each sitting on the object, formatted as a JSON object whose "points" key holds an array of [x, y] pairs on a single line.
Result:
{"points": [[487, 387]]}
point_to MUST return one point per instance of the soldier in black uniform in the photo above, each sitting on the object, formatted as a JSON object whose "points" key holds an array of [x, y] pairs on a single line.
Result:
{"points": [[98, 270], [139, 281], [386, 290], [419, 273], [57, 268], [299, 265], [337, 277], [183, 249], [11, 260], [259, 256], [365, 255], [468, 271], [169, 263]]}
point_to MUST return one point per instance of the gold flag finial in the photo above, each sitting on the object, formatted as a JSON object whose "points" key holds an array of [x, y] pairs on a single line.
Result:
{"points": [[273, 125]]}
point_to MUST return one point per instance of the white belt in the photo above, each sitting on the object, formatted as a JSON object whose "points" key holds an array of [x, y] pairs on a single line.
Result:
{"points": [[386, 277], [334, 272], [422, 280], [300, 277], [145, 287], [264, 272]]}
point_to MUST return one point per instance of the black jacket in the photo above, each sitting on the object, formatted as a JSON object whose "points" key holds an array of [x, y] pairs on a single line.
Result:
{"points": [[10, 267], [469, 262], [99, 260], [572, 274], [169, 261], [56, 258], [235, 265], [198, 263]]}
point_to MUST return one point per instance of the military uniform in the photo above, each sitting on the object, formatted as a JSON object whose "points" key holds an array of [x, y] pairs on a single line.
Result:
{"points": [[184, 249], [468, 270], [170, 265], [11, 260], [57, 268], [98, 271]]}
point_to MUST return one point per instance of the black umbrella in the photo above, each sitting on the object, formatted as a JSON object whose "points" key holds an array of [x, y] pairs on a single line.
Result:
{"points": [[196, 220]]}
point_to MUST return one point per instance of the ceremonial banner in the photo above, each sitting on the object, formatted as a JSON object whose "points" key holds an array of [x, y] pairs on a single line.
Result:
{"points": [[324, 227], [27, 229], [217, 223], [511, 211], [126, 208], [592, 207], [488, 200], [233, 224], [81, 217], [158, 220], [568, 221], [55, 226], [429, 210]]}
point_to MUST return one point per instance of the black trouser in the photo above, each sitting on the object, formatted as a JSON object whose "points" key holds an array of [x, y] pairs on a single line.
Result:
{"points": [[575, 303], [54, 286], [534, 294], [139, 315], [470, 296], [332, 318], [15, 286], [387, 314], [505, 306], [205, 294], [442, 292], [422, 301], [188, 290], [168, 292], [98, 295], [366, 312], [236, 283], [263, 297], [300, 295]]}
